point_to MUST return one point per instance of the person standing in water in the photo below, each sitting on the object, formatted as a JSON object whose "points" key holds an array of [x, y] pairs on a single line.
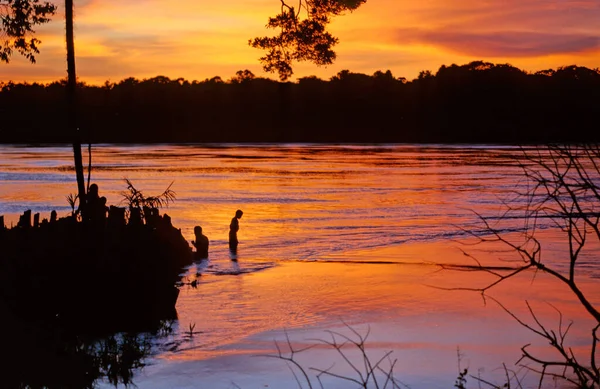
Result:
{"points": [[201, 244], [233, 229]]}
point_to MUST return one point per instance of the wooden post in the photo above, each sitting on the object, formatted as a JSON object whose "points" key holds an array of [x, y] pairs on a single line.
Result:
{"points": [[116, 217], [135, 217], [25, 219], [72, 104]]}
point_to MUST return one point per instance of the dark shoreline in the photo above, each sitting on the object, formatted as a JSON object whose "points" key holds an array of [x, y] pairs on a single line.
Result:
{"points": [[217, 145], [478, 102]]}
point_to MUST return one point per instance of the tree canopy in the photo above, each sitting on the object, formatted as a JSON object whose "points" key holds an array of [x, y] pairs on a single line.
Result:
{"points": [[18, 19], [303, 34], [474, 102]]}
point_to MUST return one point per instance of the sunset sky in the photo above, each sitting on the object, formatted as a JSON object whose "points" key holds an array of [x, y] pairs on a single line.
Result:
{"points": [[199, 39]]}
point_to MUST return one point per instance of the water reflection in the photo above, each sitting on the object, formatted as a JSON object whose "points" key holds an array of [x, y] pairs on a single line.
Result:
{"points": [[49, 355], [329, 233]]}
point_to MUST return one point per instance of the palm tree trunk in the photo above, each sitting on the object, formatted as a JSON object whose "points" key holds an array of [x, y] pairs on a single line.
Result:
{"points": [[72, 102]]}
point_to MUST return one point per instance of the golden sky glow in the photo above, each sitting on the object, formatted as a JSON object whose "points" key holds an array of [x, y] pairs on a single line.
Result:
{"points": [[199, 39]]}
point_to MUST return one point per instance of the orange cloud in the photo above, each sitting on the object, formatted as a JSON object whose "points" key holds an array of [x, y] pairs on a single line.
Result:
{"points": [[503, 43], [198, 40]]}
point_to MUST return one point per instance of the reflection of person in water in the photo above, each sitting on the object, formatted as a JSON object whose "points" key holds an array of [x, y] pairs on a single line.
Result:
{"points": [[234, 227], [201, 243]]}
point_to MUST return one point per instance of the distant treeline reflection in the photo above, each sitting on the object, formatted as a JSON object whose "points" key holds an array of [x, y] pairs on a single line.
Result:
{"points": [[477, 102]]}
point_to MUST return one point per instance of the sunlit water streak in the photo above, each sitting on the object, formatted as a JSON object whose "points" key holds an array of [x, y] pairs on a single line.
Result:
{"points": [[335, 198], [307, 208]]}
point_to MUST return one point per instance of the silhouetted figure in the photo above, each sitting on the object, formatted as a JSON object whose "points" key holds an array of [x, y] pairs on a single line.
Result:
{"points": [[234, 227], [201, 244], [96, 206], [92, 196]]}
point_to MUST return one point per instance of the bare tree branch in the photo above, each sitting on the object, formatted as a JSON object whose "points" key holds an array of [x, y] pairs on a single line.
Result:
{"points": [[561, 188], [372, 373]]}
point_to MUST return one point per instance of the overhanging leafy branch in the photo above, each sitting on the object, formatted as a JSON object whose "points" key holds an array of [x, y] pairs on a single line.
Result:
{"points": [[17, 21], [303, 34]]}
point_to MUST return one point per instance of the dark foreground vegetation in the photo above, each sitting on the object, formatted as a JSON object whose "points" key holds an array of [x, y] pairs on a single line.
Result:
{"points": [[79, 272], [477, 102], [82, 297]]}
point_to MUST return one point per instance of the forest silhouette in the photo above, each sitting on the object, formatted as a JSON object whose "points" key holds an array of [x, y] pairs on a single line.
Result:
{"points": [[472, 103]]}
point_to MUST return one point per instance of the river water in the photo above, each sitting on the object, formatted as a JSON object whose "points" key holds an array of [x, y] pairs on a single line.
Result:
{"points": [[332, 236]]}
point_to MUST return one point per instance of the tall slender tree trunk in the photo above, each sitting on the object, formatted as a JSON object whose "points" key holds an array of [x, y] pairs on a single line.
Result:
{"points": [[72, 103]]}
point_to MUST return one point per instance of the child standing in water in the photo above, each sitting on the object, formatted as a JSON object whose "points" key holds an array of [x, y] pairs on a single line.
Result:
{"points": [[233, 229]]}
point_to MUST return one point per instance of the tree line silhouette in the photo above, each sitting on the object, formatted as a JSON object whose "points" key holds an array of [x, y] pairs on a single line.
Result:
{"points": [[476, 102]]}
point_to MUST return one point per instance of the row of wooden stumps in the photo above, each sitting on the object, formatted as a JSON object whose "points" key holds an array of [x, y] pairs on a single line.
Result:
{"points": [[25, 220], [116, 217], [137, 249]]}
